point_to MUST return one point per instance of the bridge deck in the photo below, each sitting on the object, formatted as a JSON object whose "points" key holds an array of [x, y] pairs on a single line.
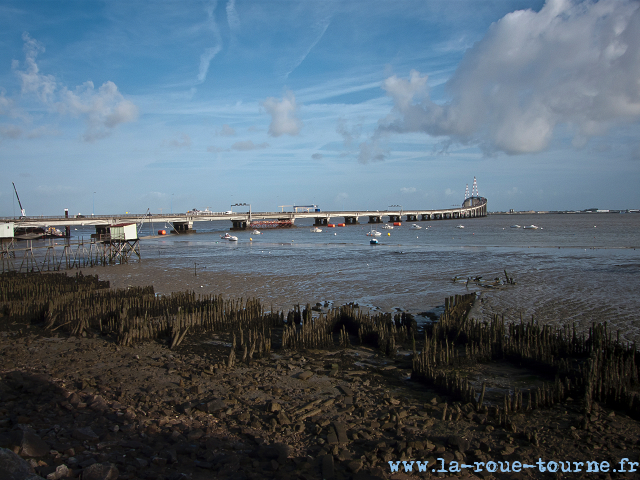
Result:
{"points": [[190, 217]]}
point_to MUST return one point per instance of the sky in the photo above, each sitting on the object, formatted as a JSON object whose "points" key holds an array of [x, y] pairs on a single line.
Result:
{"points": [[127, 106]]}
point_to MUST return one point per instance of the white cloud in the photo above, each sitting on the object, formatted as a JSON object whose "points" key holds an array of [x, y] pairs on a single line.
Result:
{"points": [[373, 150], [184, 141], [10, 131], [572, 63], [283, 115], [102, 110], [349, 134], [227, 131], [32, 80], [248, 145], [408, 190]]}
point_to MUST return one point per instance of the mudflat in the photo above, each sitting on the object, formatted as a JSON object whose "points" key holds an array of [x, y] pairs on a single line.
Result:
{"points": [[86, 406]]}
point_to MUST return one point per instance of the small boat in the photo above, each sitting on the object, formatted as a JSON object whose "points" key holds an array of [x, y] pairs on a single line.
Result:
{"points": [[415, 227], [231, 238], [374, 241], [515, 226], [374, 233], [460, 226], [386, 226], [531, 227], [256, 232], [316, 230]]}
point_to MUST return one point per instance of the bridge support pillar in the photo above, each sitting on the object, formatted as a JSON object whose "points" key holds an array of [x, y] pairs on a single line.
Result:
{"points": [[426, 216], [411, 217], [351, 220], [239, 224], [321, 221], [183, 227], [395, 218], [375, 219]]}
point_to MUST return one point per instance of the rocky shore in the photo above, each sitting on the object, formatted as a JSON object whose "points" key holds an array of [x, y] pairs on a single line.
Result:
{"points": [[84, 406]]}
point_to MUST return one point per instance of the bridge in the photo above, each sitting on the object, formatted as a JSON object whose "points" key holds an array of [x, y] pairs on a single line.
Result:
{"points": [[472, 207]]}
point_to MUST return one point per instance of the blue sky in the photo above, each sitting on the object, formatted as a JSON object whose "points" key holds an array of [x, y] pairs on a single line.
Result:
{"points": [[348, 105]]}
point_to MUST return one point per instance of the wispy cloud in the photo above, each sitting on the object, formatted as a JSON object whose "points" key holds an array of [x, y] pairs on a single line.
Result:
{"points": [[232, 16], [248, 145], [323, 25], [211, 52], [406, 190]]}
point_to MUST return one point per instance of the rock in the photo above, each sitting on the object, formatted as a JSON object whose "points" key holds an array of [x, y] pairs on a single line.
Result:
{"points": [[277, 451], [355, 466], [215, 406], [12, 467], [98, 404], [61, 472], [341, 432], [461, 443], [306, 375], [84, 433], [31, 445], [327, 467], [283, 419], [100, 471]]}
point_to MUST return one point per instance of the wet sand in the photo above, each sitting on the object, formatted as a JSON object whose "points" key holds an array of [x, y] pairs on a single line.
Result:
{"points": [[555, 296]]}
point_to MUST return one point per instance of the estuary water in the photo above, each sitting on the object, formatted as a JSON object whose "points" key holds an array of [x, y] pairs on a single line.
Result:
{"points": [[575, 268]]}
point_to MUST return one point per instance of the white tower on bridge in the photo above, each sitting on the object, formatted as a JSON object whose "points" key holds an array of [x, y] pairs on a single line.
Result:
{"points": [[466, 192], [474, 190]]}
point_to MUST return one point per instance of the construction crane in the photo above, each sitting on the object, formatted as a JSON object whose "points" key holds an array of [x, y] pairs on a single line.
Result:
{"points": [[22, 214]]}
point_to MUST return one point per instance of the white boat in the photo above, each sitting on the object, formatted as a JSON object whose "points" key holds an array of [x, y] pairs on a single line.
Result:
{"points": [[316, 230], [256, 232], [386, 226], [231, 238], [531, 227], [460, 226], [416, 227], [515, 226], [374, 233]]}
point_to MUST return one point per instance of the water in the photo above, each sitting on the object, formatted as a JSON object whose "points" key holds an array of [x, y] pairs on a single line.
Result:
{"points": [[580, 268]]}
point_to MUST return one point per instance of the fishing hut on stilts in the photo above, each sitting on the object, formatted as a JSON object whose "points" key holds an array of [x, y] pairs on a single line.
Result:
{"points": [[114, 244]]}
